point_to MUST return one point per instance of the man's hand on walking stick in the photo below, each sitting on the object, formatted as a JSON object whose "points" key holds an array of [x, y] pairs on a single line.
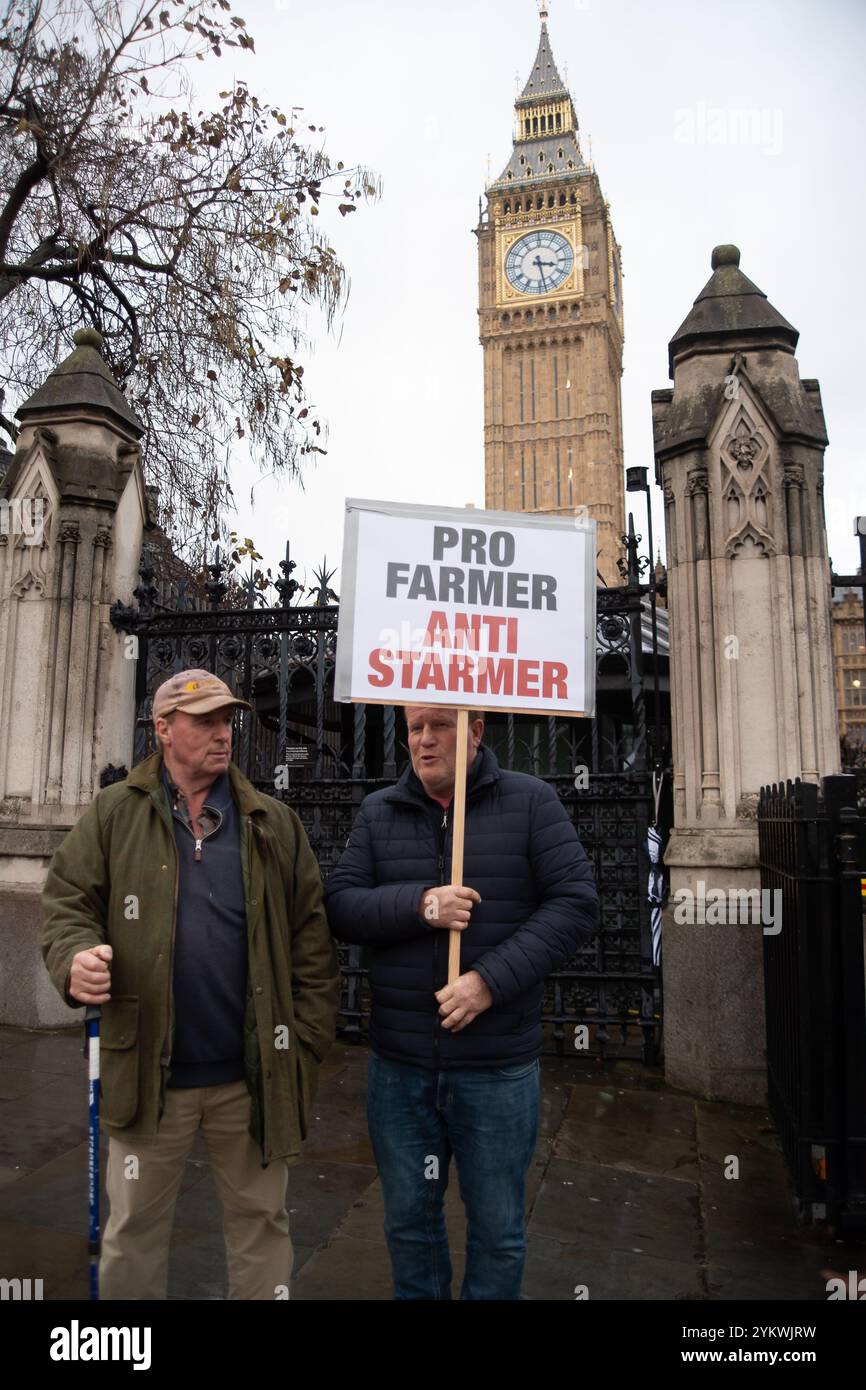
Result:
{"points": [[90, 975]]}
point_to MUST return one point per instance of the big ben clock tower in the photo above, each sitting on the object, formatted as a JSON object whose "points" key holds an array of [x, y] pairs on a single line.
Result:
{"points": [[550, 311]]}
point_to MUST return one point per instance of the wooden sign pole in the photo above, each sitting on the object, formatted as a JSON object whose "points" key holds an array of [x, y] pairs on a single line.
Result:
{"points": [[459, 820]]}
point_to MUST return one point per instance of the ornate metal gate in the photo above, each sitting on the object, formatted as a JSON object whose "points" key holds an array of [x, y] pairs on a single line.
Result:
{"points": [[280, 658]]}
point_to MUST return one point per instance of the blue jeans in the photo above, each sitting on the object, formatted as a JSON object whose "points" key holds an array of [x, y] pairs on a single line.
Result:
{"points": [[488, 1118]]}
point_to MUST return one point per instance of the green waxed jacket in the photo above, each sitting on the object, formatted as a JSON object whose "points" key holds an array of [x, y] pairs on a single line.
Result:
{"points": [[114, 879]]}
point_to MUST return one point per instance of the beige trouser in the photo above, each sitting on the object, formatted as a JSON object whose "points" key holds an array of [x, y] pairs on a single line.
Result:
{"points": [[135, 1246]]}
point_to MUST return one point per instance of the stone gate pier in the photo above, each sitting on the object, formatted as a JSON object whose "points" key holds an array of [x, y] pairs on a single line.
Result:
{"points": [[739, 447], [66, 677]]}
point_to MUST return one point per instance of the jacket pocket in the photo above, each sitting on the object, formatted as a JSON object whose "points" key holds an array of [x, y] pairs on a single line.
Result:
{"points": [[119, 1060]]}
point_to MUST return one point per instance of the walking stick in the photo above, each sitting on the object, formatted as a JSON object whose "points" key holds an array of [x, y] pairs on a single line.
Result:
{"points": [[91, 1052]]}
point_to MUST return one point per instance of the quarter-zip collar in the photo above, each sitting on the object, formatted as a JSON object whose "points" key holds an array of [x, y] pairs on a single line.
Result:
{"points": [[409, 788], [216, 806], [218, 794], [146, 776]]}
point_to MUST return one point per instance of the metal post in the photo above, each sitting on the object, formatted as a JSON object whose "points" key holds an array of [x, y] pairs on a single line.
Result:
{"points": [[657, 761], [637, 481], [285, 600], [636, 653], [244, 752]]}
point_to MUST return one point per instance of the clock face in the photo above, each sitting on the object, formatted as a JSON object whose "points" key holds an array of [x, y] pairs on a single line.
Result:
{"points": [[539, 262]]}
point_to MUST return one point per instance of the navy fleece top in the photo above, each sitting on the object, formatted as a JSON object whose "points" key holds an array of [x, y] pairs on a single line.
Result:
{"points": [[210, 949]]}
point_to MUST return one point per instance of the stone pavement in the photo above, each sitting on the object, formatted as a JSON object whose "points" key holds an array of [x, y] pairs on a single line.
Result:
{"points": [[627, 1193]]}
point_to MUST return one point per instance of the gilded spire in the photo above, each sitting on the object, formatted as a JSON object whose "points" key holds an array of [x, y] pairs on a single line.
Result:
{"points": [[545, 141], [544, 80]]}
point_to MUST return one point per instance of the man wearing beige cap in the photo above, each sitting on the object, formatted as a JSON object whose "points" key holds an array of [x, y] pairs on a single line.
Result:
{"points": [[189, 907]]}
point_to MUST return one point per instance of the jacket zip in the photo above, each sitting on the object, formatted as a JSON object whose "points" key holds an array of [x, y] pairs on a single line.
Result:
{"points": [[165, 1057], [167, 1045], [443, 826], [200, 839], [253, 832]]}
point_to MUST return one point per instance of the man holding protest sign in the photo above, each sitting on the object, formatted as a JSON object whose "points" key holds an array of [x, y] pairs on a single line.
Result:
{"points": [[454, 1067], [443, 610]]}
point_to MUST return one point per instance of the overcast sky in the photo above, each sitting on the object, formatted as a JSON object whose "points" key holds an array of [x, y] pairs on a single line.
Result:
{"points": [[423, 95]]}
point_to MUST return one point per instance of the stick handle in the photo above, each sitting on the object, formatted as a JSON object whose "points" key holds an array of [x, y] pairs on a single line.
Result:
{"points": [[457, 843]]}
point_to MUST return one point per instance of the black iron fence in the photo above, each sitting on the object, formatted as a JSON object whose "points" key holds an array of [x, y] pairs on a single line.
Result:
{"points": [[323, 758], [813, 851]]}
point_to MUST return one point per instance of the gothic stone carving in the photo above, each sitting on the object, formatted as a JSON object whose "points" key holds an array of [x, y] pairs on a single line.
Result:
{"points": [[745, 489], [697, 482], [744, 448]]}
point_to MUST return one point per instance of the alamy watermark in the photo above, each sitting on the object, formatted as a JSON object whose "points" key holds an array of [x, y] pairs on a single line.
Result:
{"points": [[729, 906], [854, 1288], [729, 125], [21, 1290], [77, 1343], [25, 517]]}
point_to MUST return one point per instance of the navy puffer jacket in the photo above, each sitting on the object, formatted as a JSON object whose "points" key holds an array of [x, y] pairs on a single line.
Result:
{"points": [[538, 900]]}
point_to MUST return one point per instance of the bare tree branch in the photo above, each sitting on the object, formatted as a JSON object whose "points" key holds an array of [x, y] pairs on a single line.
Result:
{"points": [[192, 239]]}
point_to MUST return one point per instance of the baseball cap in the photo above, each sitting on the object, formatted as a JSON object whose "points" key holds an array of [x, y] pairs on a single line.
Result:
{"points": [[193, 692]]}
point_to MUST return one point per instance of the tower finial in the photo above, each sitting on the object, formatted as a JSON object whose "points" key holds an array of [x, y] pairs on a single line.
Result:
{"points": [[543, 11]]}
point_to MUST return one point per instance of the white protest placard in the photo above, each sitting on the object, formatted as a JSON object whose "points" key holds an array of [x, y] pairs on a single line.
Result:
{"points": [[469, 609]]}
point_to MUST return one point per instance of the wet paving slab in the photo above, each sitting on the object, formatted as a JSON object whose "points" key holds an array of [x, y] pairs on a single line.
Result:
{"points": [[637, 1191], [596, 1271], [590, 1205], [644, 1131], [36, 1129]]}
